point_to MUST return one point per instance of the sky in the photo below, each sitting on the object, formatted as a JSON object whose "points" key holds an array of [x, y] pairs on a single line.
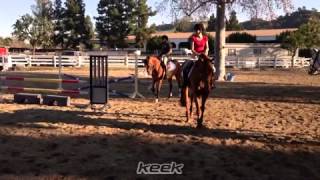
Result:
{"points": [[11, 10]]}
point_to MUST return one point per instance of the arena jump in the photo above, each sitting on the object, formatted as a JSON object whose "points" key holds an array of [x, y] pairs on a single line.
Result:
{"points": [[99, 90], [59, 98]]}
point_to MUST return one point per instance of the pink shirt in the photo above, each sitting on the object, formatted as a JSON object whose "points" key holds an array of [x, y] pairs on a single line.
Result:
{"points": [[199, 44]]}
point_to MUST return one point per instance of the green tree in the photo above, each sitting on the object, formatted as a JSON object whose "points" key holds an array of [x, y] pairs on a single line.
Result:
{"points": [[58, 16], [76, 26], [154, 44], [290, 20], [89, 29], [296, 18], [43, 14], [257, 23], [36, 29], [5, 41], [141, 31], [283, 36], [233, 23], [115, 21], [184, 25], [241, 38], [212, 23], [311, 33], [307, 36], [27, 29], [211, 44], [165, 27]]}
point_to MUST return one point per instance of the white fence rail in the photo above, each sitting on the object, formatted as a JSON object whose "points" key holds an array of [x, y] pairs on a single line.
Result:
{"points": [[257, 62], [129, 61]]}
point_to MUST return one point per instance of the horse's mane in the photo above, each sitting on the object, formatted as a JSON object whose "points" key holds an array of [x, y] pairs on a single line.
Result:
{"points": [[207, 62]]}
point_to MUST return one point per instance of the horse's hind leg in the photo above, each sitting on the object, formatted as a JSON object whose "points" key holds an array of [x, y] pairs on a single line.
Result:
{"points": [[191, 105], [170, 87], [186, 95]]}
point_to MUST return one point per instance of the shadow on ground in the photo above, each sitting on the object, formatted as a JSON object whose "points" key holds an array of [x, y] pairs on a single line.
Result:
{"points": [[115, 156]]}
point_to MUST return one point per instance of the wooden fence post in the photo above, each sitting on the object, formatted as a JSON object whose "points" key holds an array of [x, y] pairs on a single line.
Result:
{"points": [[275, 62], [126, 60], [237, 62], [29, 59], [54, 61]]}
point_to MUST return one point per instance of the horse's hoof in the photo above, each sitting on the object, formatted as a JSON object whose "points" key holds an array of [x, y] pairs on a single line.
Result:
{"points": [[157, 100], [199, 126], [199, 123], [183, 102]]}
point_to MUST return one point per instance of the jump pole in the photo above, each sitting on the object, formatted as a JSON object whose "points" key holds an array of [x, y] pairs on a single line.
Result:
{"points": [[136, 83], [41, 90], [60, 81]]}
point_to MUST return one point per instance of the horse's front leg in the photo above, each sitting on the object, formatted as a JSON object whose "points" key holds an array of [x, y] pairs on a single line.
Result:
{"points": [[170, 87], [198, 111], [191, 105], [203, 103], [153, 86], [158, 87]]}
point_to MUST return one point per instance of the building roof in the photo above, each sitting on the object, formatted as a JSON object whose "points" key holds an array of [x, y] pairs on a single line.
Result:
{"points": [[186, 35]]}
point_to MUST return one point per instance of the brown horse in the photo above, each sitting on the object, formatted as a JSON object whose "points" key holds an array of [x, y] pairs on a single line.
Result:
{"points": [[199, 80], [158, 73]]}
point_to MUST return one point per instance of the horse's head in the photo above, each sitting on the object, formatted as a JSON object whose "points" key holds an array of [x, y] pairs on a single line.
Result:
{"points": [[204, 73], [150, 64]]}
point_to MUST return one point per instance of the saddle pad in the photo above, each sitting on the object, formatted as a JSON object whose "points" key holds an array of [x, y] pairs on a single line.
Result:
{"points": [[171, 66]]}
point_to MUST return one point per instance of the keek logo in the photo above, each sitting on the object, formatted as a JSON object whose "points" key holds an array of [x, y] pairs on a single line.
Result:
{"points": [[155, 168]]}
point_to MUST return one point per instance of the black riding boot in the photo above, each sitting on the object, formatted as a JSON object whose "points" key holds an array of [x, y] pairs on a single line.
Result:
{"points": [[165, 70]]}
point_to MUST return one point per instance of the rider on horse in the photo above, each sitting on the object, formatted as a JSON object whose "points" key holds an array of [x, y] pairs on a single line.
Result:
{"points": [[166, 51], [199, 41], [199, 45]]}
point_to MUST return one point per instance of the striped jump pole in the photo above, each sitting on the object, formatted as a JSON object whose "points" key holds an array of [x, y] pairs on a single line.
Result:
{"points": [[63, 81], [41, 90]]}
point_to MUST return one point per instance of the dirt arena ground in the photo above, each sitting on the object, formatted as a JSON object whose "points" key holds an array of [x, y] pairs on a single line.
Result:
{"points": [[264, 125]]}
